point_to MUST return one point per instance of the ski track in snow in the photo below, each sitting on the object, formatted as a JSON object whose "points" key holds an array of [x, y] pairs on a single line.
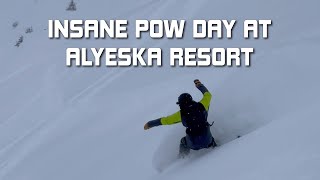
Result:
{"points": [[21, 110], [18, 141], [84, 92], [94, 87], [107, 79], [15, 73]]}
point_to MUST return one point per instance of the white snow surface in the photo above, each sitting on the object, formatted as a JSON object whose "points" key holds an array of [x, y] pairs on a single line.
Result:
{"points": [[60, 123]]}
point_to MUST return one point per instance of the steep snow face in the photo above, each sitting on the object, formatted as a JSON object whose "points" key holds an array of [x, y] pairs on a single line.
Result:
{"points": [[282, 150], [86, 123]]}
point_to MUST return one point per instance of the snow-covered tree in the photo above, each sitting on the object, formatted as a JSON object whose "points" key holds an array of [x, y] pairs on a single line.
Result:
{"points": [[72, 6], [20, 40], [15, 24], [29, 30]]}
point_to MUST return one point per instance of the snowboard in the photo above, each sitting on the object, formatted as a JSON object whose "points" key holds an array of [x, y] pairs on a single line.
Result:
{"points": [[167, 155], [162, 162]]}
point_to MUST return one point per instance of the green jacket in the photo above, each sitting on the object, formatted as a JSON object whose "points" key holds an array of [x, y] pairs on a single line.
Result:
{"points": [[176, 117]]}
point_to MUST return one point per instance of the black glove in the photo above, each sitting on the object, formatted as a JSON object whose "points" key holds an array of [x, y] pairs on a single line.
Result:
{"points": [[153, 123], [197, 82], [200, 86]]}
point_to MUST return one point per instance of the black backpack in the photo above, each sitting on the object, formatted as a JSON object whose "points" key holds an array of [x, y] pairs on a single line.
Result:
{"points": [[194, 118]]}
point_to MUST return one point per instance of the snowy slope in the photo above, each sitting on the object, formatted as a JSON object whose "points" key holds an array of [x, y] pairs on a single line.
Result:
{"points": [[87, 123], [275, 155]]}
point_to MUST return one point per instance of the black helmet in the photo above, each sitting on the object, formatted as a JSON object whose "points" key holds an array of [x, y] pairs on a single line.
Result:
{"points": [[184, 98]]}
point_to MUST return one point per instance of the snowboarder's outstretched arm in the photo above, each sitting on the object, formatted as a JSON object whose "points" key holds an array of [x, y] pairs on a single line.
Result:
{"points": [[205, 101], [176, 117], [172, 119]]}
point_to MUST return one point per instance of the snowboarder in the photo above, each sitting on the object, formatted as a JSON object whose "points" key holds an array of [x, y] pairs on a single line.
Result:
{"points": [[193, 116]]}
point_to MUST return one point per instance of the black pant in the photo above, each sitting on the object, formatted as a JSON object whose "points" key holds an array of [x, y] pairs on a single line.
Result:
{"points": [[197, 141]]}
